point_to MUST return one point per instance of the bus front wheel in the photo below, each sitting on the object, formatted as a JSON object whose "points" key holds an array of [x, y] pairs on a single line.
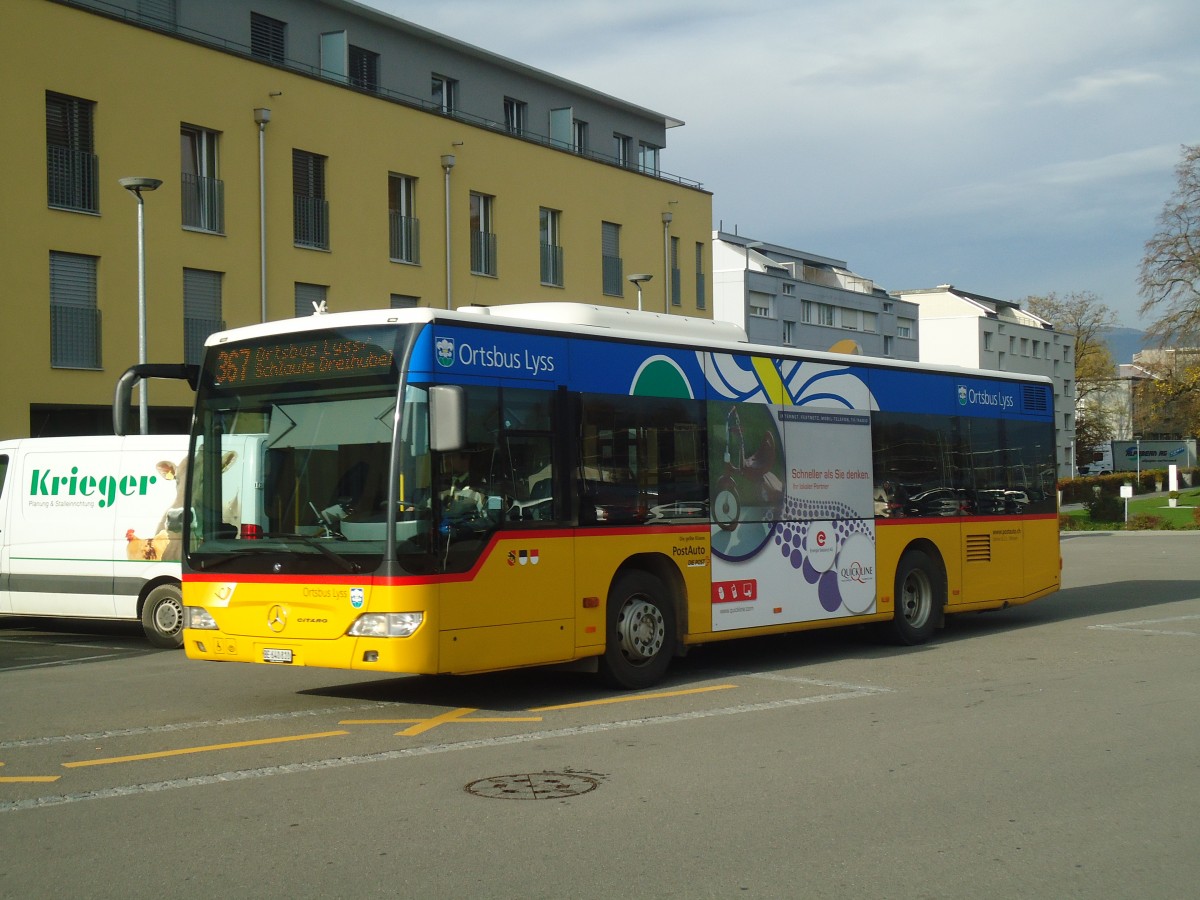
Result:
{"points": [[640, 632], [162, 617], [918, 598]]}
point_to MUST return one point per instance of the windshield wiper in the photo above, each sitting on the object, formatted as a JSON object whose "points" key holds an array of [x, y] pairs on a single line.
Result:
{"points": [[317, 545]]}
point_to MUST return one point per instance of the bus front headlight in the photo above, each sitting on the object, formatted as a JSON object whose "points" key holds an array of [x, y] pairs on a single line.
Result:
{"points": [[198, 617], [387, 624]]}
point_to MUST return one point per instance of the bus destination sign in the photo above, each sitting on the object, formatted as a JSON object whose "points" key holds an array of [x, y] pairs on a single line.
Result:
{"points": [[308, 359]]}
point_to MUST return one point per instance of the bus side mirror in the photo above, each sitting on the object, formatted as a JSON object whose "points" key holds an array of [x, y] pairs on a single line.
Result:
{"points": [[447, 417]]}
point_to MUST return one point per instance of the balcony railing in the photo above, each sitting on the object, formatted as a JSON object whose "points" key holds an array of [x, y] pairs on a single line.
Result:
{"points": [[203, 202], [483, 253], [614, 282], [310, 222], [74, 337], [552, 265], [405, 237], [71, 178], [195, 333]]}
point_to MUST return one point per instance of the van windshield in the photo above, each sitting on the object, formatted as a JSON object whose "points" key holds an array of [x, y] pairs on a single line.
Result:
{"points": [[301, 448]]}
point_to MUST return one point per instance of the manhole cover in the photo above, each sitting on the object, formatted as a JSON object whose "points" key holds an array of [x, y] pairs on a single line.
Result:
{"points": [[537, 786]]}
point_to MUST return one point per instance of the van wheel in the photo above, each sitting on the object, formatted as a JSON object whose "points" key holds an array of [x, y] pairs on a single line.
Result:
{"points": [[640, 632], [919, 598], [162, 617]]}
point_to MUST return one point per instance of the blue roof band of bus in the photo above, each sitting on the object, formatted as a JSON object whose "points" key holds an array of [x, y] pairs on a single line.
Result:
{"points": [[456, 354]]}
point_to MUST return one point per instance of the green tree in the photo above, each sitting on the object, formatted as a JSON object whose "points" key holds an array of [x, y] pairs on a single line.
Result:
{"points": [[1169, 282], [1167, 404]]}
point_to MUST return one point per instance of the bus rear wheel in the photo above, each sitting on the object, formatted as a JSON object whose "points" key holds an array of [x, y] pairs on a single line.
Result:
{"points": [[919, 598], [162, 617], [640, 635]]}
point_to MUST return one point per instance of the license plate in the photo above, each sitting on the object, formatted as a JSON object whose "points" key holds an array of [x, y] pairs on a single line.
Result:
{"points": [[276, 656]]}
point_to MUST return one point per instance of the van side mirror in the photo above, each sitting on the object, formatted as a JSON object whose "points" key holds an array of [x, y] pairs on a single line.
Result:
{"points": [[447, 417]]}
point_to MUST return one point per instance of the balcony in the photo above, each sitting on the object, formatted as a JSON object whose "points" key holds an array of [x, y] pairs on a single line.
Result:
{"points": [[552, 265], [404, 233], [71, 179], [483, 253], [203, 201], [310, 222], [74, 337]]}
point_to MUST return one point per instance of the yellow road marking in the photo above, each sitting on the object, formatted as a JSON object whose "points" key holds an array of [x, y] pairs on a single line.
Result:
{"points": [[186, 750], [14, 779], [453, 715], [634, 697]]}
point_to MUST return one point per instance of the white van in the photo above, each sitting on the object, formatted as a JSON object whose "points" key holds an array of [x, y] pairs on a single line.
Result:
{"points": [[90, 527]]}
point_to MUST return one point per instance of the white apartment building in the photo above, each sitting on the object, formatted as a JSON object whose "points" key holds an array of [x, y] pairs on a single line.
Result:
{"points": [[961, 328]]}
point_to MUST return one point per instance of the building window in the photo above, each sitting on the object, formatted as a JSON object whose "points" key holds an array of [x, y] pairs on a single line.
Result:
{"points": [[806, 312], [310, 209], [987, 340], [72, 167], [552, 251], [201, 311], [444, 94], [267, 37], [202, 192], [404, 230], [850, 318], [483, 236], [364, 68], [676, 279], [869, 320], [648, 158], [904, 327], [516, 113], [404, 301], [789, 289], [700, 282], [888, 345], [622, 149], [74, 318], [610, 259], [759, 305], [789, 332], [824, 312], [579, 136], [310, 298]]}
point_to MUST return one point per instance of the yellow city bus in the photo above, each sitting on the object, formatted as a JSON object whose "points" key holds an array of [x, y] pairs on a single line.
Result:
{"points": [[489, 488]]}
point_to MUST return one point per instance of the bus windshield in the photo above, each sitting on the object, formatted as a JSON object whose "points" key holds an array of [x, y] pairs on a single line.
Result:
{"points": [[301, 434]]}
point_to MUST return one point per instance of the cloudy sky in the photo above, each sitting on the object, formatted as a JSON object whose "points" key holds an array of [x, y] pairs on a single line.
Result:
{"points": [[1008, 147]]}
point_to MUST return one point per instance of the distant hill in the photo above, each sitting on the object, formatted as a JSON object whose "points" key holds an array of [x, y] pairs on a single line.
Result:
{"points": [[1123, 343]]}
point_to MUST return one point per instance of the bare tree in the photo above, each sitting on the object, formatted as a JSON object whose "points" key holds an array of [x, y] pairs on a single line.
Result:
{"points": [[1169, 282]]}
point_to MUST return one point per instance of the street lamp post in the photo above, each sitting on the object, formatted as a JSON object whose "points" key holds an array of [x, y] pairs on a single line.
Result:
{"points": [[666, 220], [447, 164], [136, 185], [637, 281]]}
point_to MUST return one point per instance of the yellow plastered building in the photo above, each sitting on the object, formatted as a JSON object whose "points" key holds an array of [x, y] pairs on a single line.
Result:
{"points": [[306, 151]]}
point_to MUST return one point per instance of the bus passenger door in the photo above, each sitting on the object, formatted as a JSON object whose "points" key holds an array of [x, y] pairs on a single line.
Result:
{"points": [[509, 560]]}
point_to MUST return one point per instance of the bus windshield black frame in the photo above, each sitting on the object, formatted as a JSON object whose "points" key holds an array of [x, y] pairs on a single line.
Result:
{"points": [[303, 431]]}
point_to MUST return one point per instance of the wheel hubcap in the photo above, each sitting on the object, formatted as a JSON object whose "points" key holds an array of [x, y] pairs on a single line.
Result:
{"points": [[642, 631], [168, 617], [917, 601]]}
